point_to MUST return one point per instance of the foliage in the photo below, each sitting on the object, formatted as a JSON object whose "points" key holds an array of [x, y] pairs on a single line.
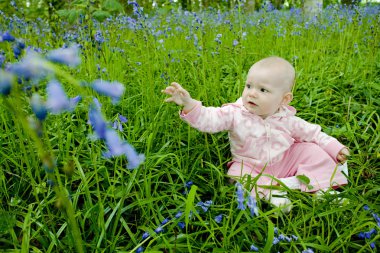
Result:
{"points": [[180, 199]]}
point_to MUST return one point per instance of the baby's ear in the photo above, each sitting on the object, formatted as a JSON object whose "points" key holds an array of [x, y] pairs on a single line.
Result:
{"points": [[288, 97]]}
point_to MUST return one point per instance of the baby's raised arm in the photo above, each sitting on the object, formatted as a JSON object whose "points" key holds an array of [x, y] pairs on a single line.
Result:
{"points": [[180, 96]]}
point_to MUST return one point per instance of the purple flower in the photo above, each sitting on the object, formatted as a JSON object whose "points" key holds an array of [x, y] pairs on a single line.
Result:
{"points": [[235, 43], [253, 248], [275, 241], [134, 159], [145, 235], [366, 208], [114, 90], [372, 245], [68, 56], [38, 107], [140, 250], [8, 37], [57, 101], [97, 121], [218, 218], [6, 82]]}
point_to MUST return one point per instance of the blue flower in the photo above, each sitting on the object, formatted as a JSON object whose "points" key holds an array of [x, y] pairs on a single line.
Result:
{"points": [[38, 107], [57, 101], [2, 60], [68, 56], [275, 241], [308, 250], [178, 215], [253, 248], [122, 119], [114, 90], [218, 218], [181, 224], [8, 37], [366, 208], [251, 203], [6, 82], [240, 196], [140, 250], [159, 230], [165, 221], [32, 66], [205, 205], [97, 121], [235, 43], [145, 235], [372, 245]]}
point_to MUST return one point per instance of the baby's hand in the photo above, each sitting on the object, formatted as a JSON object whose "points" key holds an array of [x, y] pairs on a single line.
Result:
{"points": [[342, 155], [180, 96]]}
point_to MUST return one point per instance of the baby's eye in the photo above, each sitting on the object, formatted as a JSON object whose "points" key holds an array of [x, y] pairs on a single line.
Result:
{"points": [[248, 86], [264, 90]]}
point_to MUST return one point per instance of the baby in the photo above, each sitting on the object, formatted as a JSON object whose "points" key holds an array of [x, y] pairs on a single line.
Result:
{"points": [[266, 137]]}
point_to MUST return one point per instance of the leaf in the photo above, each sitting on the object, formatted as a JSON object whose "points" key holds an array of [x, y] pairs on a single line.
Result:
{"points": [[303, 179], [112, 6], [190, 203], [101, 15]]}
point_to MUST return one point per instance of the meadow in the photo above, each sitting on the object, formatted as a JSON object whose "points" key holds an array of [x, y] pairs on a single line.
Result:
{"points": [[61, 192]]}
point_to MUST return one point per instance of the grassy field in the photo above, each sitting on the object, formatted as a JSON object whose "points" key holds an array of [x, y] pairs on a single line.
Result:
{"points": [[59, 194]]}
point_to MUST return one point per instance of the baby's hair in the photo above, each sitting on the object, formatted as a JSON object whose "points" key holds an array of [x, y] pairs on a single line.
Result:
{"points": [[279, 68]]}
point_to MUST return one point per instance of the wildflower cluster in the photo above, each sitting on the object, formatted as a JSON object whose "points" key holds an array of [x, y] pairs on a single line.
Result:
{"points": [[372, 232], [34, 67], [281, 237], [250, 200]]}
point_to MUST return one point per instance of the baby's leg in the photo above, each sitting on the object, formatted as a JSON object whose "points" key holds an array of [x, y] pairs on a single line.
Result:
{"points": [[312, 161]]}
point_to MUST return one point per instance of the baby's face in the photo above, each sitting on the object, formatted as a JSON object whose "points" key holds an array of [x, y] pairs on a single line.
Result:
{"points": [[264, 92]]}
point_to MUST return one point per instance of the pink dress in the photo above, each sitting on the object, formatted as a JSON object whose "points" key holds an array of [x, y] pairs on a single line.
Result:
{"points": [[281, 145]]}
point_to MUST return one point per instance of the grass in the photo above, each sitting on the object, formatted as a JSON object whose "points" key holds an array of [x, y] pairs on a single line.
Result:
{"points": [[337, 61]]}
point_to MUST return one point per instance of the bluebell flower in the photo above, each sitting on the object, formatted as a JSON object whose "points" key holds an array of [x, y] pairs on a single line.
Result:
{"points": [[295, 238], [122, 119], [275, 230], [145, 235], [38, 107], [165, 221], [7, 37], [275, 241], [97, 121], [115, 144], [159, 230], [188, 184], [32, 66], [366, 208], [240, 196], [68, 56], [2, 60], [372, 245], [140, 249], [253, 248], [16, 51], [204, 205], [134, 158], [235, 43], [308, 250], [281, 237], [99, 37], [251, 203], [181, 224], [178, 215], [218, 218], [6, 82], [117, 125], [114, 90], [57, 100]]}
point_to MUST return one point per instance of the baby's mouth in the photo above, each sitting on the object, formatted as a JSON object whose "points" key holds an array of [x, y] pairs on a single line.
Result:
{"points": [[252, 104]]}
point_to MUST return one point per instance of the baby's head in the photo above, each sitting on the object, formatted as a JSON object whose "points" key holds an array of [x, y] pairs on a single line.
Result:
{"points": [[268, 86]]}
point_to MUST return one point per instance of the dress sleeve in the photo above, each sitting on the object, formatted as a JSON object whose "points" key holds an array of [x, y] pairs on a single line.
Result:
{"points": [[210, 119]]}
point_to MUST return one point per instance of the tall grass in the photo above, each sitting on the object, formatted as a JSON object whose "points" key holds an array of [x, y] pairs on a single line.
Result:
{"points": [[337, 60]]}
